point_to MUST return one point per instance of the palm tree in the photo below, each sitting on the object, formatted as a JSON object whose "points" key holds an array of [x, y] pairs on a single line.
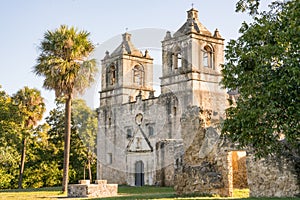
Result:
{"points": [[64, 64], [31, 108]]}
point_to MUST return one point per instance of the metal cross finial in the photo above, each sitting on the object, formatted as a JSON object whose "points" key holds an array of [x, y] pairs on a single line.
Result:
{"points": [[126, 29], [192, 5]]}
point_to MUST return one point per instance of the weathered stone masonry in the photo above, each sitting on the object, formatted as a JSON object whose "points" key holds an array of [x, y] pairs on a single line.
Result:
{"points": [[272, 176], [135, 146], [174, 139]]}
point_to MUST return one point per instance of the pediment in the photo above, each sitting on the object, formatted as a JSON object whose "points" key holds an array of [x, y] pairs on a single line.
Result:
{"points": [[139, 142]]}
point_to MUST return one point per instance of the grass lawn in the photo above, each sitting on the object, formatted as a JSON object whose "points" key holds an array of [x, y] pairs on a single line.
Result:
{"points": [[32, 194], [125, 192]]}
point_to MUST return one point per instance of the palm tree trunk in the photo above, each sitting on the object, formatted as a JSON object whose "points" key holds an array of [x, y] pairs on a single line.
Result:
{"points": [[22, 163], [84, 172], [68, 108], [90, 171]]}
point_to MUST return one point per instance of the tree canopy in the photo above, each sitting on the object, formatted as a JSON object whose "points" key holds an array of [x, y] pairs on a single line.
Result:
{"points": [[85, 124], [44, 142], [9, 141], [263, 66], [18, 116], [64, 62], [31, 108], [83, 137]]}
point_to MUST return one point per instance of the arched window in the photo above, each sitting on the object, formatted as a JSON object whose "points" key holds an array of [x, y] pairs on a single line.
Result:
{"points": [[208, 57], [111, 75], [177, 58], [138, 75]]}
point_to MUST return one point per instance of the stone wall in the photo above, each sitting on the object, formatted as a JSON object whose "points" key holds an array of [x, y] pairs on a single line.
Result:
{"points": [[113, 175], [169, 153], [205, 178], [207, 164], [272, 176]]}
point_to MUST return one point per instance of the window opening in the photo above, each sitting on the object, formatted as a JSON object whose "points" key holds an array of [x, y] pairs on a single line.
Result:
{"points": [[138, 75], [208, 57]]}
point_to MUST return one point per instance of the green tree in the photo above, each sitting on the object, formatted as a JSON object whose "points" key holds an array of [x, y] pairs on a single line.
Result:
{"points": [[83, 137], [263, 65], [42, 169], [9, 140], [31, 108], [248, 5], [64, 65], [85, 122]]}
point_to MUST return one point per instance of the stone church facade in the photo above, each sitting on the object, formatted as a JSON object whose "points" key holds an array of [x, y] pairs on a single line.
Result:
{"points": [[134, 125], [174, 139]]}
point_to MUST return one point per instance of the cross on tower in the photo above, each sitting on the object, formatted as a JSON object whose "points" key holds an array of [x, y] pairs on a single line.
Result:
{"points": [[192, 5]]}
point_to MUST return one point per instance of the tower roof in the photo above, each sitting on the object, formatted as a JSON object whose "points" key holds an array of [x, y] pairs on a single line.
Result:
{"points": [[126, 47], [192, 24]]}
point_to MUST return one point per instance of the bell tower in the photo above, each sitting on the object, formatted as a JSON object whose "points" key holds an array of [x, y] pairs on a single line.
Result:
{"points": [[192, 59], [126, 73]]}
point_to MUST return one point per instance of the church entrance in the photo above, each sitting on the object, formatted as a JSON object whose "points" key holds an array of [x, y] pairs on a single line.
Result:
{"points": [[139, 173]]}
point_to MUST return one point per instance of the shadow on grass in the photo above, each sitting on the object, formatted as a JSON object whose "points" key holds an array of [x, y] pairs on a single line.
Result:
{"points": [[46, 189]]}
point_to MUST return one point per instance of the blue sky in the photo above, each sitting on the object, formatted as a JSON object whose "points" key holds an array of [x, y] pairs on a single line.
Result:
{"points": [[23, 24]]}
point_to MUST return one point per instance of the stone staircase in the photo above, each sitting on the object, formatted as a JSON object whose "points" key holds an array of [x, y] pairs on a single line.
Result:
{"points": [[99, 189]]}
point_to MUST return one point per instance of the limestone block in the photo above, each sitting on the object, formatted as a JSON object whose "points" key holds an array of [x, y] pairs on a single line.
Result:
{"points": [[93, 190], [101, 182], [85, 182]]}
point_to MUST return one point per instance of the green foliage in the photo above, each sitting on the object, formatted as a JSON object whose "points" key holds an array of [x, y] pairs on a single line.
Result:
{"points": [[9, 141], [18, 115], [63, 62], [42, 174], [84, 124], [5, 179], [8, 169], [263, 65], [85, 127], [31, 108], [41, 170], [248, 5], [45, 143], [9, 121], [9, 165], [45, 152]]}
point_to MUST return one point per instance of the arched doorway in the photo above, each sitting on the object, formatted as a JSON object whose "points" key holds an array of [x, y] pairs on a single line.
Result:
{"points": [[139, 173]]}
